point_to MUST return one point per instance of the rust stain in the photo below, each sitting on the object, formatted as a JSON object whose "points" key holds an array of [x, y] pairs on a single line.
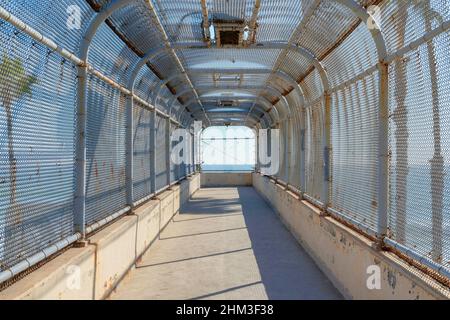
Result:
{"points": [[392, 279], [433, 274]]}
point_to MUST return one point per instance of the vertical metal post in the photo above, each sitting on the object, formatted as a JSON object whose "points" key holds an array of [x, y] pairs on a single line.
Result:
{"points": [[286, 151], [80, 155], [186, 153], [194, 159], [129, 152], [153, 150], [168, 147], [302, 151], [383, 150], [193, 154], [257, 165], [291, 148], [326, 141]]}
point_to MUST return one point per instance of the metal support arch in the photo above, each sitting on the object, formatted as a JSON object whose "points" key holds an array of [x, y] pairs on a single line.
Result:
{"points": [[183, 92], [261, 99], [383, 114], [279, 74]]}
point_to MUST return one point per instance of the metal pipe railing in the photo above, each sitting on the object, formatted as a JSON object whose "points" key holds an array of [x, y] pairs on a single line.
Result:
{"points": [[38, 257], [358, 225], [440, 269], [432, 265]]}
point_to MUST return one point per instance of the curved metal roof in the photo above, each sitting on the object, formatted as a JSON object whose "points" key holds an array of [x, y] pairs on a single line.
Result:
{"points": [[183, 64]]}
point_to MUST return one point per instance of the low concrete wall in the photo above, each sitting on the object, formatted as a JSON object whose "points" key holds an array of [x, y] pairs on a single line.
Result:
{"points": [[344, 255], [94, 271], [226, 179]]}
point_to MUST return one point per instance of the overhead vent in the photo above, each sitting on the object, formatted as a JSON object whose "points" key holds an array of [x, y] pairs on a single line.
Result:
{"points": [[227, 103], [229, 38], [228, 33]]}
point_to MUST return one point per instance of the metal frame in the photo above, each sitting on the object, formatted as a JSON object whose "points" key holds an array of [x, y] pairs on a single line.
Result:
{"points": [[84, 69], [269, 45], [269, 88], [80, 229], [81, 107], [359, 11], [279, 74], [261, 111], [264, 101], [383, 116], [80, 163]]}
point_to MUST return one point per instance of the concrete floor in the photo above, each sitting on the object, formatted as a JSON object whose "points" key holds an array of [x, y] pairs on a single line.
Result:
{"points": [[226, 243]]}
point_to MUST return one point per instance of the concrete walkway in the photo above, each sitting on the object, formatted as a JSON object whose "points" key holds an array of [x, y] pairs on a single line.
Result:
{"points": [[227, 243]]}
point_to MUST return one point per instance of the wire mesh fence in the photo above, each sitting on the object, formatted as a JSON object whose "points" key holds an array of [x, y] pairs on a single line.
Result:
{"points": [[417, 41], [142, 153], [354, 155], [39, 98], [420, 154], [314, 153]]}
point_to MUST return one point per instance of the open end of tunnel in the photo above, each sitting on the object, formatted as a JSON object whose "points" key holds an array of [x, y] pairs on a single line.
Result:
{"points": [[259, 149]]}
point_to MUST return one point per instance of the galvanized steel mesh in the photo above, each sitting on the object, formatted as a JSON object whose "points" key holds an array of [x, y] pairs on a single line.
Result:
{"points": [[37, 147], [354, 155], [142, 173], [313, 152], [105, 134], [420, 144], [38, 117], [38, 89], [161, 146]]}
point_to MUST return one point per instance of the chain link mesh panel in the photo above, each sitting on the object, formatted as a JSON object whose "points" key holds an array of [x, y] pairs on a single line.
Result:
{"points": [[37, 99], [354, 134], [351, 58], [105, 140], [108, 54], [174, 168], [161, 170], [54, 18], [142, 152], [420, 150], [38, 102], [314, 150], [312, 87], [403, 22], [281, 170]]}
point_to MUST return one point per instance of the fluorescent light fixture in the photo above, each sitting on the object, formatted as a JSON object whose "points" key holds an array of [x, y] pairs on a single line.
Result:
{"points": [[212, 33], [246, 34], [231, 77]]}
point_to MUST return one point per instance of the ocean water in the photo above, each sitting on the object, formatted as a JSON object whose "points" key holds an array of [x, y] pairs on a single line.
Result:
{"points": [[418, 210], [228, 167]]}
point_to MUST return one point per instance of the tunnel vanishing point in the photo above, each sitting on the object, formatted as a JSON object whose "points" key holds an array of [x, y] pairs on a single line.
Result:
{"points": [[349, 193]]}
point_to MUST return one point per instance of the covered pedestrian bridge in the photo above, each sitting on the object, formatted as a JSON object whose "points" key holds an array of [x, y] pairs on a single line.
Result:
{"points": [[103, 193]]}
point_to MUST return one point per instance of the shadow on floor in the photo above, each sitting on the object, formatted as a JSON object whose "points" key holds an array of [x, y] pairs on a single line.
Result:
{"points": [[287, 271], [227, 244]]}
